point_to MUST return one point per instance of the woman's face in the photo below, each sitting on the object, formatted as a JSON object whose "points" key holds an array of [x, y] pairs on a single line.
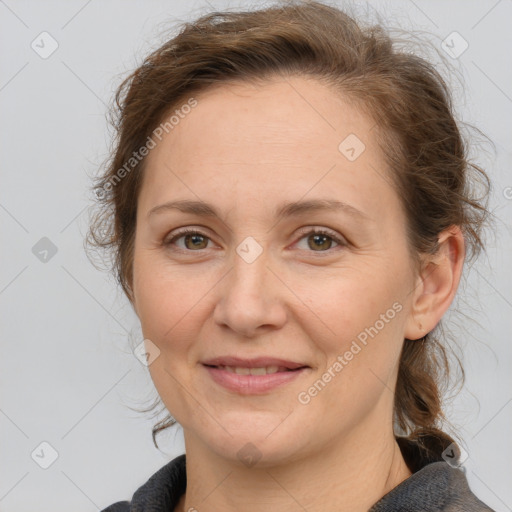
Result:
{"points": [[251, 283]]}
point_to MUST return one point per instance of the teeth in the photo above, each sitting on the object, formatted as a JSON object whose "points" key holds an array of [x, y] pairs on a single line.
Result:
{"points": [[252, 371]]}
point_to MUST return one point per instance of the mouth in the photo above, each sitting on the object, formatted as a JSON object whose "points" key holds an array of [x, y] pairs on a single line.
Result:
{"points": [[255, 366], [253, 376], [261, 370]]}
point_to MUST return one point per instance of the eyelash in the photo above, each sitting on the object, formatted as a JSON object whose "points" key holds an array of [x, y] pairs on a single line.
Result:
{"points": [[304, 234]]}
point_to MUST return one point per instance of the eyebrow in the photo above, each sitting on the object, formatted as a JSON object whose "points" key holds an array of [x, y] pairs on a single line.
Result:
{"points": [[286, 210]]}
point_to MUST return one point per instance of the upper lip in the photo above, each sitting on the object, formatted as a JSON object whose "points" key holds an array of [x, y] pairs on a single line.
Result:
{"points": [[257, 362]]}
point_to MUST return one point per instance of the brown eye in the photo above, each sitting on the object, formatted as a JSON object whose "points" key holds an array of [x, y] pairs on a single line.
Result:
{"points": [[193, 240], [318, 240], [321, 240]]}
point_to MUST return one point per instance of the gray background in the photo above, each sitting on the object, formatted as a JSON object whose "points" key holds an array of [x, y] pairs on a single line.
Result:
{"points": [[67, 373]]}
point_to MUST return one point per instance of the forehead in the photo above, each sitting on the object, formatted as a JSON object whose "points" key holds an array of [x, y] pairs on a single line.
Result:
{"points": [[287, 115], [261, 142]]}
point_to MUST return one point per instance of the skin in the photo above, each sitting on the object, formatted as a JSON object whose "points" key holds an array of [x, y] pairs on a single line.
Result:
{"points": [[246, 149]]}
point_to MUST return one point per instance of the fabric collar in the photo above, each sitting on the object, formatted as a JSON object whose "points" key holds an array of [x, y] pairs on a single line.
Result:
{"points": [[433, 486]]}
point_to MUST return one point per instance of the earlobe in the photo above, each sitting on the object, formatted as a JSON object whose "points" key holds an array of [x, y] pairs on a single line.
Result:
{"points": [[437, 284]]}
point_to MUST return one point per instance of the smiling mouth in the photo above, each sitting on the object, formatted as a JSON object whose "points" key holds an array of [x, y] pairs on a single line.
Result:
{"points": [[254, 380], [264, 370]]}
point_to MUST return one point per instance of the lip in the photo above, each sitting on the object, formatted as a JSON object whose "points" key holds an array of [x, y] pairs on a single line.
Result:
{"points": [[253, 384], [257, 362]]}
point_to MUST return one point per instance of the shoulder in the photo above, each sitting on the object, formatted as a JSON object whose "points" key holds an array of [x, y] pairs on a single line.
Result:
{"points": [[434, 483], [437, 487], [162, 490], [120, 506]]}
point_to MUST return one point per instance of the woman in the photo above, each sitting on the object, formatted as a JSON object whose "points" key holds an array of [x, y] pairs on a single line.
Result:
{"points": [[290, 211]]}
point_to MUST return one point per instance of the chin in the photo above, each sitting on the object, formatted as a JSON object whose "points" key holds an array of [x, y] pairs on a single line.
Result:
{"points": [[256, 444]]}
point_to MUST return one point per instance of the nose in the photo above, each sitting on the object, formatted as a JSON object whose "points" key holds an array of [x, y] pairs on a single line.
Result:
{"points": [[251, 298]]}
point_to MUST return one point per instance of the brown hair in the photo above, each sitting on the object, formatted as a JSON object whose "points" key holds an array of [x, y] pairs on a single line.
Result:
{"points": [[416, 129]]}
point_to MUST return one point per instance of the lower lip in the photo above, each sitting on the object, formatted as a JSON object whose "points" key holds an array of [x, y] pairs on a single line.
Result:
{"points": [[252, 384]]}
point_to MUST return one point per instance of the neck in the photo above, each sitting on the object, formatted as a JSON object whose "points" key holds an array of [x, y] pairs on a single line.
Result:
{"points": [[351, 475]]}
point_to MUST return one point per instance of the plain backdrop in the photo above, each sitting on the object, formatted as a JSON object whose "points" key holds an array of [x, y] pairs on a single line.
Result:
{"points": [[69, 380]]}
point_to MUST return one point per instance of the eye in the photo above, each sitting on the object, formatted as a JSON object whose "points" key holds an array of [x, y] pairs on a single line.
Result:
{"points": [[320, 239], [192, 238]]}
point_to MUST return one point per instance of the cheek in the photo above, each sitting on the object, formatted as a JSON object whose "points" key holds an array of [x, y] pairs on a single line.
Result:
{"points": [[169, 310], [165, 296], [344, 306], [358, 326], [360, 368]]}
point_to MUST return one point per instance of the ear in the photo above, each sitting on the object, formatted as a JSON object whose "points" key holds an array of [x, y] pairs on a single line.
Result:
{"points": [[437, 284]]}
